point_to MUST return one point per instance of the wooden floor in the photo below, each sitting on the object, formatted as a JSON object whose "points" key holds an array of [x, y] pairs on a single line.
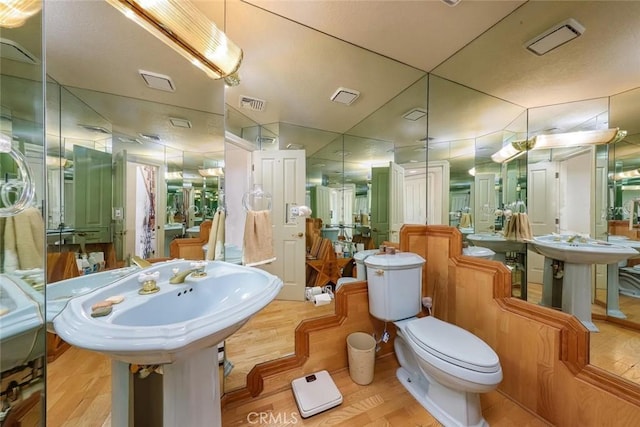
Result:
{"points": [[271, 336], [79, 385], [79, 388]]}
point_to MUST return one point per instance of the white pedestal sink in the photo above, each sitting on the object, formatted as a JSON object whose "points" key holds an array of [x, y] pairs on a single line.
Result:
{"points": [[178, 327], [613, 277], [497, 243], [578, 255]]}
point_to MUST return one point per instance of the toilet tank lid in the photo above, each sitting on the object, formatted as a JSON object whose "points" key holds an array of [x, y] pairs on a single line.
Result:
{"points": [[362, 255], [399, 259]]}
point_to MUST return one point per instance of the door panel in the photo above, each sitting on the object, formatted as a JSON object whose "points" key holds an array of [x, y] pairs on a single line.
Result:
{"points": [[282, 174]]}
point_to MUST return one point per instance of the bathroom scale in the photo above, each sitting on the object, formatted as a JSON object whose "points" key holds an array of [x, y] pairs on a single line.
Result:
{"points": [[315, 393]]}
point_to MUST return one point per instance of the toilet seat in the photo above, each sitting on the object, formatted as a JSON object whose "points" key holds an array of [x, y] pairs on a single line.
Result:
{"points": [[452, 344]]}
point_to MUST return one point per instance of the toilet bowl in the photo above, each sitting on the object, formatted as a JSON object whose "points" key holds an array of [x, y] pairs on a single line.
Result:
{"points": [[478, 252], [443, 366]]}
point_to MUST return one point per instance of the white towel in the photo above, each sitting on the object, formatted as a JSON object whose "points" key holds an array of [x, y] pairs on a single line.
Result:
{"points": [[258, 239], [216, 237], [24, 241]]}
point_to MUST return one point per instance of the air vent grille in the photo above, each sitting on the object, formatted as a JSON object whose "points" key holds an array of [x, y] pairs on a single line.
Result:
{"points": [[253, 104], [345, 96], [157, 81]]}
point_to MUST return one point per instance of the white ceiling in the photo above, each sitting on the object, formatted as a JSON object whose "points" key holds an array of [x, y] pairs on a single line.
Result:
{"points": [[297, 53]]}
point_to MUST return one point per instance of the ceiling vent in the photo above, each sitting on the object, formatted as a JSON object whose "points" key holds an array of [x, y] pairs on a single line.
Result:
{"points": [[266, 140], [12, 50], [415, 114], [451, 2], [127, 140], [149, 137], [345, 96], [157, 81], [253, 104], [295, 146], [555, 36], [180, 123], [98, 129]]}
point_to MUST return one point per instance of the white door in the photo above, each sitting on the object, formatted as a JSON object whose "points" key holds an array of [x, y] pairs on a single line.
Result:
{"points": [[542, 211], [282, 173], [396, 198], [415, 199], [438, 192], [484, 202]]}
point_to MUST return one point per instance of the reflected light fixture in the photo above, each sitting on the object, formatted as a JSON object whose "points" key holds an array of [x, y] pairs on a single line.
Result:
{"points": [[572, 139], [510, 151], [183, 27], [209, 172], [14, 13], [635, 173], [559, 140]]}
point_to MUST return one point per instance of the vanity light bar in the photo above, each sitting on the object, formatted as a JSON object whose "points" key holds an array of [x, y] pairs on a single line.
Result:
{"points": [[572, 139]]}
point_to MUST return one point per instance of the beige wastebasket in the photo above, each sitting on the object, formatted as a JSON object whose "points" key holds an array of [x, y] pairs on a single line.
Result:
{"points": [[361, 349]]}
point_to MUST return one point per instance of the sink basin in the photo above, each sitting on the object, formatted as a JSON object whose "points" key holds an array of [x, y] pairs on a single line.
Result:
{"points": [[582, 251], [496, 242], [59, 293], [176, 321], [22, 333]]}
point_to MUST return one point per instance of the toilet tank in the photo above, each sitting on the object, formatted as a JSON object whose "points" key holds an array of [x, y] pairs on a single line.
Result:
{"points": [[361, 269], [395, 285]]}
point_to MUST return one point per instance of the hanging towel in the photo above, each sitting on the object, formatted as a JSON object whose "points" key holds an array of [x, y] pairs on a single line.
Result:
{"points": [[24, 241], [220, 236], [465, 220], [213, 238], [215, 244], [258, 239]]}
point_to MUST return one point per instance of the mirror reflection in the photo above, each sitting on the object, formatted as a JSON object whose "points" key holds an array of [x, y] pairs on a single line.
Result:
{"points": [[22, 221], [418, 152]]}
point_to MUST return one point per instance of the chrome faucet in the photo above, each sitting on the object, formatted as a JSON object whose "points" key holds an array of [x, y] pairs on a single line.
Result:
{"points": [[197, 271]]}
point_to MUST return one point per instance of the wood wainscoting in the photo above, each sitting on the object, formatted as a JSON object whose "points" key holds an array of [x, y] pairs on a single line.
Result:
{"points": [[320, 343], [544, 353]]}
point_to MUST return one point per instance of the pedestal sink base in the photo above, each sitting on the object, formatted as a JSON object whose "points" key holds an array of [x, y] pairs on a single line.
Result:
{"points": [[190, 390], [575, 299]]}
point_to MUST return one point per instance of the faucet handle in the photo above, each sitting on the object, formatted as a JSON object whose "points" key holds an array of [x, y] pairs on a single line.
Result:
{"points": [[149, 285], [198, 268]]}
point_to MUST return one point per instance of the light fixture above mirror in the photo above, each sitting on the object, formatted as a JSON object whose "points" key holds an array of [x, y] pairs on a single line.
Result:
{"points": [[558, 140]]}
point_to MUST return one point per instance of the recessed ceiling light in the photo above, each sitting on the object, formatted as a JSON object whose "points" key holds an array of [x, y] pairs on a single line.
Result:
{"points": [[345, 96], [180, 123], [555, 36], [414, 114]]}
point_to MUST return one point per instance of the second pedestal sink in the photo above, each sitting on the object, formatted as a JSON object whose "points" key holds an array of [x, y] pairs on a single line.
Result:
{"points": [[496, 243], [179, 326], [578, 255]]}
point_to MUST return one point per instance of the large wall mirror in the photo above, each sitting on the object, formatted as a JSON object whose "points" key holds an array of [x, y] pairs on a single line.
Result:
{"points": [[22, 208], [431, 131]]}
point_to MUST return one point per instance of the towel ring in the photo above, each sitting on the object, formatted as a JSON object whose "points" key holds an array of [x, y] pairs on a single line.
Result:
{"points": [[256, 199], [26, 184]]}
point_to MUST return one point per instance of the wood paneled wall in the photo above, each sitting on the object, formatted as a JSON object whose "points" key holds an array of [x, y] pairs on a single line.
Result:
{"points": [[320, 344]]}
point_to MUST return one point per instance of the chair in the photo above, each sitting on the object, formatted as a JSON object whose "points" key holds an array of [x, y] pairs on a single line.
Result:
{"points": [[323, 269], [191, 247]]}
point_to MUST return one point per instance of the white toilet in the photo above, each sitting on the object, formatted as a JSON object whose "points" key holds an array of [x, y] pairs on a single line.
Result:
{"points": [[442, 365]]}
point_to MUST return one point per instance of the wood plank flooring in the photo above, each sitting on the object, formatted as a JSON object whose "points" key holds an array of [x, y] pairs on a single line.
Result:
{"points": [[79, 395], [79, 385], [267, 336]]}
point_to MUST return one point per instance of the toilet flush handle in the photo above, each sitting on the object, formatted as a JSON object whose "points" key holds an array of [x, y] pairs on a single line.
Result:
{"points": [[379, 272]]}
